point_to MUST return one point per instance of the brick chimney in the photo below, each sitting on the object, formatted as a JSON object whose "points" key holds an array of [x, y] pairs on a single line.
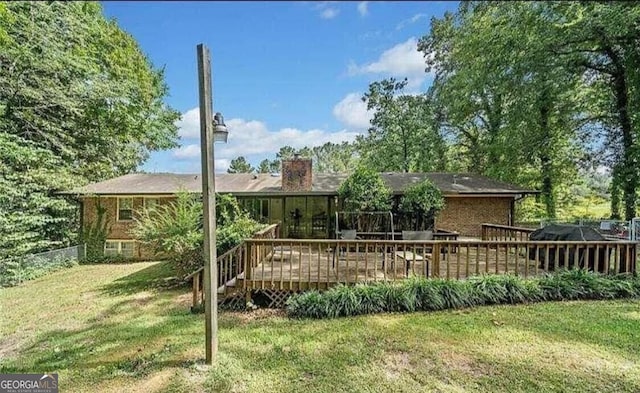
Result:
{"points": [[296, 174]]}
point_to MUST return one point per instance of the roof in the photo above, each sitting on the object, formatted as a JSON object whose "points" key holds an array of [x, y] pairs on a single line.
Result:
{"points": [[269, 184]]}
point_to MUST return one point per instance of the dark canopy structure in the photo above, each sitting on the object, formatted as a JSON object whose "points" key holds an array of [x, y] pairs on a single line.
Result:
{"points": [[561, 258], [566, 232]]}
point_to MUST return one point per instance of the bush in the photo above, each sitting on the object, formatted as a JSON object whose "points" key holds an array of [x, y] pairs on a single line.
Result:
{"points": [[175, 230], [438, 294], [420, 204], [17, 270]]}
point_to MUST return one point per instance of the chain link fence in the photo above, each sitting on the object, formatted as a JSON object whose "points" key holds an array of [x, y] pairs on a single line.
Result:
{"points": [[27, 267]]}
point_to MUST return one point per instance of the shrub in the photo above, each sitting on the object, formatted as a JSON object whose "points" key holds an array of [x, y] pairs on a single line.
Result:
{"points": [[420, 204], [428, 295], [17, 270], [398, 296], [175, 230], [438, 294], [364, 190]]}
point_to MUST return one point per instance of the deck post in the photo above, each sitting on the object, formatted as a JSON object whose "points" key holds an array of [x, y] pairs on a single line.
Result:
{"points": [[436, 260]]}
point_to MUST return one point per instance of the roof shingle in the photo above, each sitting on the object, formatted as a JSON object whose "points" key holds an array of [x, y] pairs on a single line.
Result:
{"points": [[261, 184]]}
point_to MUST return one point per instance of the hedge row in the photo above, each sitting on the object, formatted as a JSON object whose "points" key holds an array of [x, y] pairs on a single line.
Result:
{"points": [[419, 294]]}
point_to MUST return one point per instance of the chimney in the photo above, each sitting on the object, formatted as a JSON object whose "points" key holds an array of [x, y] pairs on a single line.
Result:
{"points": [[296, 174]]}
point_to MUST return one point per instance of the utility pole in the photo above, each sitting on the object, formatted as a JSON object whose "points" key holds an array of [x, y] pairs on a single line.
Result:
{"points": [[209, 205]]}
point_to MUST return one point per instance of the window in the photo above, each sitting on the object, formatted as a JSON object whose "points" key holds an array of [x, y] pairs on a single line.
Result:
{"points": [[111, 248], [118, 247], [125, 209], [150, 203], [126, 249]]}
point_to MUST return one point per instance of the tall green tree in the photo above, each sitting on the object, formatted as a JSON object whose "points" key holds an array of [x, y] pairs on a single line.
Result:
{"points": [[602, 41], [73, 85], [513, 111], [334, 157], [240, 165], [403, 134]]}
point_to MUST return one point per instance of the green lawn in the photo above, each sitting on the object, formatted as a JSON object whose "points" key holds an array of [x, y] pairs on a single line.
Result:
{"points": [[113, 328]]}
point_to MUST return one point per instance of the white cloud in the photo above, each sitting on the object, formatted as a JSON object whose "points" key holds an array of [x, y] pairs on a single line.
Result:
{"points": [[187, 152], [410, 21], [401, 61], [327, 9], [222, 164], [363, 8], [352, 112], [329, 13], [189, 124], [253, 138]]}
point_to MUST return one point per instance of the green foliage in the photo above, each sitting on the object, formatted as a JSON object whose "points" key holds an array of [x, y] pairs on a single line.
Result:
{"points": [[175, 230], [365, 191], [438, 294], [79, 102], [404, 135], [17, 270], [420, 204], [240, 165], [94, 234]]}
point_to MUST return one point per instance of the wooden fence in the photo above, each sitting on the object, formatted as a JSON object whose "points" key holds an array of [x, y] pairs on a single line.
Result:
{"points": [[495, 232]]}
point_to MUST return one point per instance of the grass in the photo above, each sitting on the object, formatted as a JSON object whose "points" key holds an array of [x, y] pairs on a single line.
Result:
{"points": [[118, 328]]}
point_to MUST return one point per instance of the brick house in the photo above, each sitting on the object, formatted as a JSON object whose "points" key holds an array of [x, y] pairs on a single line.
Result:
{"points": [[305, 203]]}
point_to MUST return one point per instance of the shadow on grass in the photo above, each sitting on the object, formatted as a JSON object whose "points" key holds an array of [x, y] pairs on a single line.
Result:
{"points": [[158, 276]]}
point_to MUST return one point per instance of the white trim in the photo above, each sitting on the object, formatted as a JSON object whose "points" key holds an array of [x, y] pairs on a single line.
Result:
{"points": [[118, 248], [118, 208]]}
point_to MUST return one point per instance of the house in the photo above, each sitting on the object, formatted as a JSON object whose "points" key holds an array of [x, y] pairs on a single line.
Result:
{"points": [[305, 203]]}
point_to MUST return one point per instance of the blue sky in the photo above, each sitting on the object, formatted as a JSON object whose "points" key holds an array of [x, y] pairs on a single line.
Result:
{"points": [[284, 73]]}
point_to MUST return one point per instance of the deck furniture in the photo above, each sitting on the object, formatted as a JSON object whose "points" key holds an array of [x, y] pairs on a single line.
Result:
{"points": [[408, 257]]}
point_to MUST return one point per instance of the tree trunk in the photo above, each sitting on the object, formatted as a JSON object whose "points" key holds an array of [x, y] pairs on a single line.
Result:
{"points": [[546, 162], [628, 169], [615, 194]]}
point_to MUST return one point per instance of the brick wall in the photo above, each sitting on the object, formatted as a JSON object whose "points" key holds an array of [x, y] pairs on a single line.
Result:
{"points": [[117, 230], [296, 175], [467, 214]]}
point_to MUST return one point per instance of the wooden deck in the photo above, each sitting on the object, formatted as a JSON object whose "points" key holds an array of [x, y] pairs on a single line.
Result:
{"points": [[269, 263], [299, 267]]}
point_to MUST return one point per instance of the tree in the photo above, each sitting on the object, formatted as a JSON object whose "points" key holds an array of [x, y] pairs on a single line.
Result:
{"points": [[240, 165], [601, 42], [264, 166], [334, 157], [420, 204], [513, 112], [79, 102], [403, 136], [365, 191], [362, 192]]}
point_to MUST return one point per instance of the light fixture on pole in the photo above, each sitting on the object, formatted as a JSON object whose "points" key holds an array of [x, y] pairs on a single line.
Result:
{"points": [[211, 131], [220, 132]]}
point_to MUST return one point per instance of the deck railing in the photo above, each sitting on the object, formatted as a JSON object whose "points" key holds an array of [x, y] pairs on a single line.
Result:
{"points": [[288, 264], [230, 265], [496, 232]]}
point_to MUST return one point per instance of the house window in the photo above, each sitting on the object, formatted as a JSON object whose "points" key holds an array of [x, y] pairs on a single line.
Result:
{"points": [[118, 247], [150, 203], [125, 209], [257, 208]]}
